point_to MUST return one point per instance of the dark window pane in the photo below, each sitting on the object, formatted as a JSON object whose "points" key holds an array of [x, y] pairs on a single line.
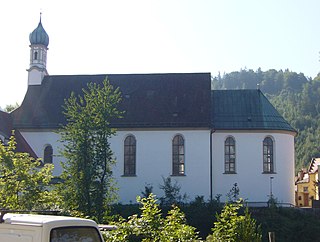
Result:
{"points": [[268, 155], [47, 154], [130, 155], [75, 233], [178, 155], [229, 155]]}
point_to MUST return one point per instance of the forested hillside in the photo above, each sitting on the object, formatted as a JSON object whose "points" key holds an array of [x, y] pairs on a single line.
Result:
{"points": [[295, 96]]}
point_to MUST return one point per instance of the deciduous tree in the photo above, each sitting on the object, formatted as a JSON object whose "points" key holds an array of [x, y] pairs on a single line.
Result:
{"points": [[88, 185], [24, 183], [232, 227]]}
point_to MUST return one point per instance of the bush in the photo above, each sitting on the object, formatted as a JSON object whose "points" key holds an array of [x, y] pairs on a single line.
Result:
{"points": [[231, 227], [151, 226], [171, 193]]}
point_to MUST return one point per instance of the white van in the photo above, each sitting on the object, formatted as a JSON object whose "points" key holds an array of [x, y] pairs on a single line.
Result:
{"points": [[47, 228]]}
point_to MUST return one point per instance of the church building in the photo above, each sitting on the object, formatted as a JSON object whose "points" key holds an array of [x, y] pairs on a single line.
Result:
{"points": [[174, 126]]}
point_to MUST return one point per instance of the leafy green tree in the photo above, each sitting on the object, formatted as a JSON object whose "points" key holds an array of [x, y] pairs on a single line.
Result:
{"points": [[232, 227], [9, 108], [24, 184], [151, 226], [88, 185], [247, 229]]}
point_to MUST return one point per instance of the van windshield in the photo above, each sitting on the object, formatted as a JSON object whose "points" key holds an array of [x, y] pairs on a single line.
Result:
{"points": [[75, 233]]}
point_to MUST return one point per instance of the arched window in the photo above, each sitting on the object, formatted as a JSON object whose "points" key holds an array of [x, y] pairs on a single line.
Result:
{"points": [[130, 156], [178, 159], [268, 163], [35, 55], [230, 155], [47, 154]]}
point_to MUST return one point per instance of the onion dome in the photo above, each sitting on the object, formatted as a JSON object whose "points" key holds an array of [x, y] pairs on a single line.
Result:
{"points": [[39, 36]]}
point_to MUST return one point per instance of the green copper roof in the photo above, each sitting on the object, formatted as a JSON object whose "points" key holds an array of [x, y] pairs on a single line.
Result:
{"points": [[39, 36], [245, 110]]}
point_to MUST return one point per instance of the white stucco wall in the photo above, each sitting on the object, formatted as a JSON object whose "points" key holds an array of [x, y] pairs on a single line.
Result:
{"points": [[35, 76], [253, 184], [38, 140], [154, 160]]}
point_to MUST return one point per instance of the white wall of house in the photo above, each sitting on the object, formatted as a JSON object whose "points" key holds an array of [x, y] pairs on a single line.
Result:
{"points": [[38, 140], [35, 76], [153, 160], [253, 184]]}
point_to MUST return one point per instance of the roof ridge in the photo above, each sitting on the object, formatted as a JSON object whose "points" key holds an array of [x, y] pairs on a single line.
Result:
{"points": [[131, 74]]}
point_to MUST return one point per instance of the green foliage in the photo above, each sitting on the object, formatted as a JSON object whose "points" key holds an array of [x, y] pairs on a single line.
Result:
{"points": [[271, 81], [9, 108], [176, 228], [233, 194], [248, 230], [289, 224], [231, 227], [24, 184], [147, 190], [302, 111], [201, 214], [171, 192], [88, 186], [151, 226]]}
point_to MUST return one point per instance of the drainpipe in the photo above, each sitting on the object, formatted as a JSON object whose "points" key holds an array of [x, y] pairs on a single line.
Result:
{"points": [[318, 182], [211, 183]]}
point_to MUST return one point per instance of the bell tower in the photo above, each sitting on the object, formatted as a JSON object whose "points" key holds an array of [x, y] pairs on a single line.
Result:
{"points": [[39, 41]]}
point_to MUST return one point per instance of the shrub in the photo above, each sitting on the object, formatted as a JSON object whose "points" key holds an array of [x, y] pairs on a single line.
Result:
{"points": [[231, 227], [151, 226]]}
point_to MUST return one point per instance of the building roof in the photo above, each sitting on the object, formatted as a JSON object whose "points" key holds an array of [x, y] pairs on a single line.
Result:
{"points": [[245, 110], [6, 124], [22, 145], [6, 129], [313, 166], [304, 180], [149, 100], [182, 100], [39, 36]]}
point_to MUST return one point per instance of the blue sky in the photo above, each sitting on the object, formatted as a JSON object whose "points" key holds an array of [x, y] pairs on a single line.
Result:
{"points": [[159, 36]]}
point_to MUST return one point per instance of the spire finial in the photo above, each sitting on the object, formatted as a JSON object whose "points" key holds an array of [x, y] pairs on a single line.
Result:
{"points": [[40, 15]]}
